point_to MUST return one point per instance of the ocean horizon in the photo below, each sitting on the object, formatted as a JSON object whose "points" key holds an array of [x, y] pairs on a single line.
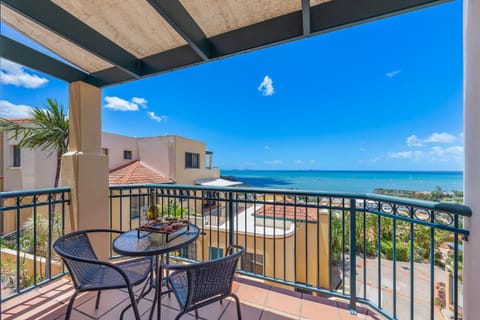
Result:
{"points": [[361, 181]]}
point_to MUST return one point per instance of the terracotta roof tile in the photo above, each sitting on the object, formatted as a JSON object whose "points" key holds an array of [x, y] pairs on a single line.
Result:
{"points": [[20, 120], [288, 211], [137, 172]]}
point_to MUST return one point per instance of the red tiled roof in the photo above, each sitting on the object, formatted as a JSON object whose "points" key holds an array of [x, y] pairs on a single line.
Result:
{"points": [[137, 172], [19, 120], [288, 212]]}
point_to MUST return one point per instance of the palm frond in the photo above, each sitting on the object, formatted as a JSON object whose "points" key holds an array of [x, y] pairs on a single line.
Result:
{"points": [[48, 129]]}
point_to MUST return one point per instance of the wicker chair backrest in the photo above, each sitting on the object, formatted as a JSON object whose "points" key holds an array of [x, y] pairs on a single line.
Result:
{"points": [[213, 278], [78, 245]]}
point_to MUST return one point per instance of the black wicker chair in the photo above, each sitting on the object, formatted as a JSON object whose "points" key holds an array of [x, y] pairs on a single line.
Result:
{"points": [[91, 274], [199, 284]]}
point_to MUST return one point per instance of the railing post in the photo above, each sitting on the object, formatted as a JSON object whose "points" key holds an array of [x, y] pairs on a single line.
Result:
{"points": [[230, 218], [353, 255]]}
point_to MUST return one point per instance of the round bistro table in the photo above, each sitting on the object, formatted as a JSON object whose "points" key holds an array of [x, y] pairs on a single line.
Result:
{"points": [[153, 244]]}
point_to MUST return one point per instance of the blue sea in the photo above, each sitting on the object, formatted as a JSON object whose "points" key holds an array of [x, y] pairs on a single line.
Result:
{"points": [[349, 181]]}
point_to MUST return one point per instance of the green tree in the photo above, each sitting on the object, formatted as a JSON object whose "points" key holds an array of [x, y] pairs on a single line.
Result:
{"points": [[48, 130], [437, 194]]}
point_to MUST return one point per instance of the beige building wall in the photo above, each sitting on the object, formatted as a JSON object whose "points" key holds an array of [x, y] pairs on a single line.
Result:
{"points": [[116, 144], [158, 152], [189, 175], [165, 154], [36, 171], [308, 245]]}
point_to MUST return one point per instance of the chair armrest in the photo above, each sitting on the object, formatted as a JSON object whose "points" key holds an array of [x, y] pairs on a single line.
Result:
{"points": [[65, 255], [175, 267], [232, 247]]}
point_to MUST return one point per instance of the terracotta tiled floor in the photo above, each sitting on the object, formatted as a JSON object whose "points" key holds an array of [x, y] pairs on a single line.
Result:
{"points": [[258, 301]]}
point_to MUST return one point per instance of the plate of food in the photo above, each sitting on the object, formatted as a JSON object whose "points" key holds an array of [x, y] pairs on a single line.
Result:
{"points": [[170, 226]]}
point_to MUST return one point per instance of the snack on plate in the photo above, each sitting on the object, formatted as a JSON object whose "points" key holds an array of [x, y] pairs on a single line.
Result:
{"points": [[166, 224]]}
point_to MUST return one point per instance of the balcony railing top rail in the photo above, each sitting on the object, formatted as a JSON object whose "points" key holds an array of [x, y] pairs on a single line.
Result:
{"points": [[30, 220], [364, 247], [381, 237], [459, 209]]}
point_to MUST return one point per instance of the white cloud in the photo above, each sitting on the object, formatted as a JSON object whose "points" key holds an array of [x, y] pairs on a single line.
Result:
{"points": [[12, 73], [140, 101], [116, 103], [154, 117], [414, 141], [454, 153], [443, 137], [405, 155], [9, 110], [298, 162], [274, 162], [392, 73], [376, 159], [266, 87]]}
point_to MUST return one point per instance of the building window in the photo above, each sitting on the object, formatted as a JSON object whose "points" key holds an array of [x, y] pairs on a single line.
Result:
{"points": [[105, 151], [252, 262], [16, 161], [191, 160], [127, 155], [215, 253]]}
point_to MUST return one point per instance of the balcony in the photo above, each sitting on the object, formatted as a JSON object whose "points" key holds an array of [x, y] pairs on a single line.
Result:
{"points": [[300, 247], [258, 302]]}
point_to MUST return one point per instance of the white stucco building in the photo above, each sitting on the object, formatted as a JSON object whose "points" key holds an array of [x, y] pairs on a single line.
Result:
{"points": [[162, 159]]}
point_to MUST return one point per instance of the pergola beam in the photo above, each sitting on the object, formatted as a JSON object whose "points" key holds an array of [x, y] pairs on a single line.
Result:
{"points": [[28, 57], [180, 20], [306, 17], [339, 14], [325, 17], [322, 18], [57, 20]]}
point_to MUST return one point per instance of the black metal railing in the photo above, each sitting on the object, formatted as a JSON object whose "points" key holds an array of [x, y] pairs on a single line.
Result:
{"points": [[399, 256], [30, 221]]}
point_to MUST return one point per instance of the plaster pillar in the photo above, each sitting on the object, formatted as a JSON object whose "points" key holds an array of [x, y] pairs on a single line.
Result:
{"points": [[471, 55], [85, 168]]}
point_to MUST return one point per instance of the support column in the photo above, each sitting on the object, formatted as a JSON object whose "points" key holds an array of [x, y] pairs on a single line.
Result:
{"points": [[85, 168], [471, 49]]}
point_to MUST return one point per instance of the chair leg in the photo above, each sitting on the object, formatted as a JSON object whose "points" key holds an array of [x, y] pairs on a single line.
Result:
{"points": [[70, 305], [239, 313], [134, 303], [196, 313], [98, 299], [179, 315]]}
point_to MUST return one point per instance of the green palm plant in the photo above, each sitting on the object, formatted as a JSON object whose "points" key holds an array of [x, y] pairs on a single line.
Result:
{"points": [[48, 130]]}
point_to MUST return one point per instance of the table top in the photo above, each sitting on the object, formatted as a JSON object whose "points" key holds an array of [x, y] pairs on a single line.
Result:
{"points": [[152, 243]]}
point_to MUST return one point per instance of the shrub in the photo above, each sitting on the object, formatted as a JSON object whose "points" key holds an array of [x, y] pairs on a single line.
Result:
{"points": [[401, 251]]}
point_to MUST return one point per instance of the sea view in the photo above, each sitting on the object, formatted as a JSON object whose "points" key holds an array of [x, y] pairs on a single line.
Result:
{"points": [[349, 181]]}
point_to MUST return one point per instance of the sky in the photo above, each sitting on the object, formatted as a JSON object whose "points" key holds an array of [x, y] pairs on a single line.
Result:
{"points": [[384, 95]]}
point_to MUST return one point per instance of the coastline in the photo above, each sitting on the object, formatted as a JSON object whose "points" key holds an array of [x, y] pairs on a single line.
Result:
{"points": [[363, 181]]}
